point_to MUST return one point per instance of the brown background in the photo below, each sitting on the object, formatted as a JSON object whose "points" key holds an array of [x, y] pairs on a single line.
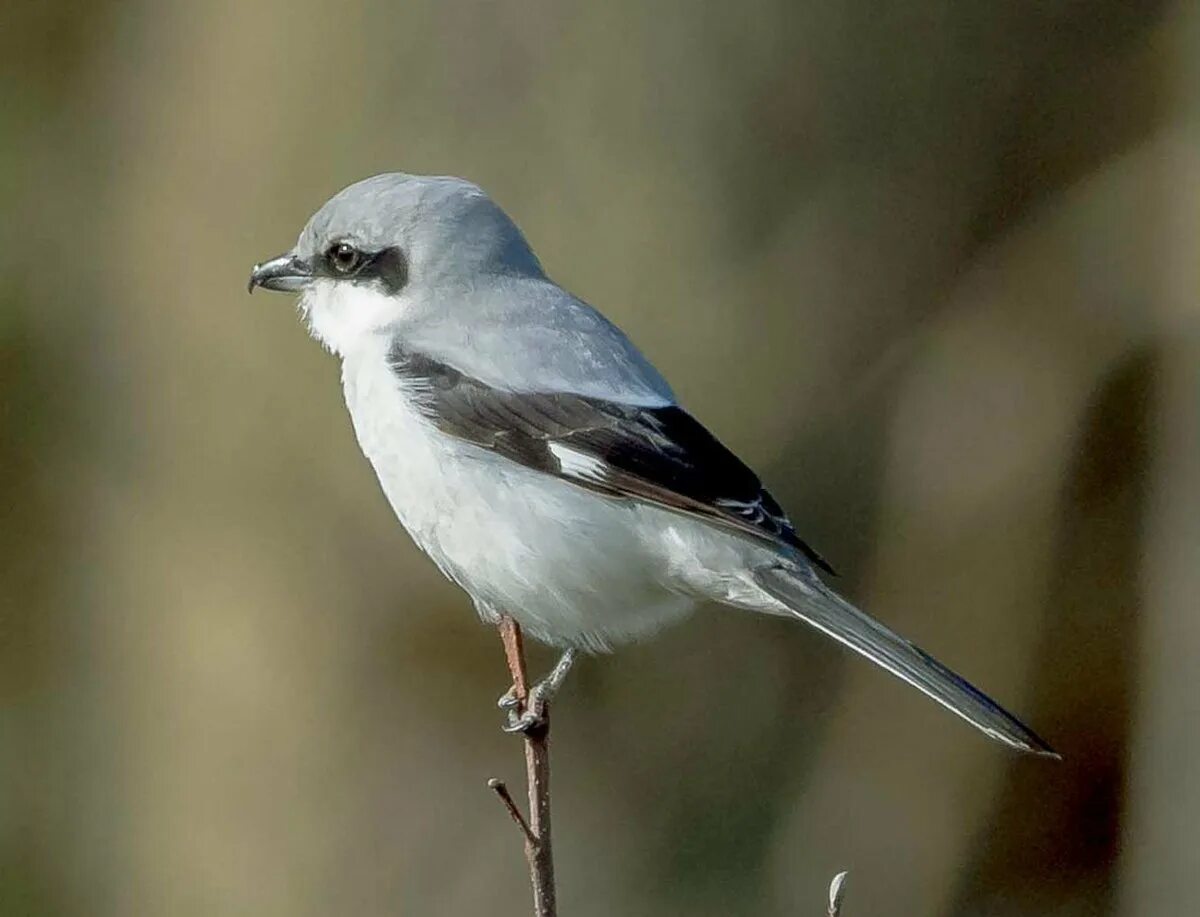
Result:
{"points": [[930, 266]]}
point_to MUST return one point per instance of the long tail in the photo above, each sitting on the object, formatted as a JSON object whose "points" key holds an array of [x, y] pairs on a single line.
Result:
{"points": [[815, 603]]}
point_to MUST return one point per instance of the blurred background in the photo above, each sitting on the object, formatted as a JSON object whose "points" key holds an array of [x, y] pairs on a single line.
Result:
{"points": [[954, 241]]}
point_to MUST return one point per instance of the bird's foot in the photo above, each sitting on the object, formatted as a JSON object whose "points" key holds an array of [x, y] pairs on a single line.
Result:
{"points": [[528, 720], [530, 716], [509, 700]]}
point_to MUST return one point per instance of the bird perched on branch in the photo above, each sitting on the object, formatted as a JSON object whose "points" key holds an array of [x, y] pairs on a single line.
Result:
{"points": [[537, 456]]}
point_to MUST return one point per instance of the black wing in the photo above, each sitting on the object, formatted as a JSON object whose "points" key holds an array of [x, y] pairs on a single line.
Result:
{"points": [[659, 455]]}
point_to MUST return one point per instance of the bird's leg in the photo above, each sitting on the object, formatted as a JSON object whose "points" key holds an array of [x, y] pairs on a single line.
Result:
{"points": [[531, 715]]}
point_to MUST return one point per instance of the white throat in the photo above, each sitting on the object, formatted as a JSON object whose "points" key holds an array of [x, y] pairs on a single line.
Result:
{"points": [[343, 316]]}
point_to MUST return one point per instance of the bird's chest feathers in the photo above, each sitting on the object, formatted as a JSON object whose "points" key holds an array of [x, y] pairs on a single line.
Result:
{"points": [[415, 463]]}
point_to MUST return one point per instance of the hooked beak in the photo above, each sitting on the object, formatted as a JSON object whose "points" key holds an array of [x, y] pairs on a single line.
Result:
{"points": [[287, 273]]}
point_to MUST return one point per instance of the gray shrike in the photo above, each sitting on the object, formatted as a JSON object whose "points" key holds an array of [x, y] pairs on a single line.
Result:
{"points": [[533, 452]]}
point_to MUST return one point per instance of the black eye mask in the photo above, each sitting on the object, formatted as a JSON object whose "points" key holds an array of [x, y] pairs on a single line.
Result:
{"points": [[388, 266]]}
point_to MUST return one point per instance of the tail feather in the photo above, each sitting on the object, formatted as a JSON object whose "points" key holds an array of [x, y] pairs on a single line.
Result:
{"points": [[815, 603]]}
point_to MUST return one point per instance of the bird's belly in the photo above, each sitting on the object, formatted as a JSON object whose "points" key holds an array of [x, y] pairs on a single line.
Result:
{"points": [[573, 568]]}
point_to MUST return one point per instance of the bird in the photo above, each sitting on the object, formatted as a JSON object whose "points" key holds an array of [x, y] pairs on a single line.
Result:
{"points": [[539, 458]]}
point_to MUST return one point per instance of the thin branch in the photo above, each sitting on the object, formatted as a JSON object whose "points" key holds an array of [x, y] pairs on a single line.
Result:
{"points": [[510, 804], [538, 851]]}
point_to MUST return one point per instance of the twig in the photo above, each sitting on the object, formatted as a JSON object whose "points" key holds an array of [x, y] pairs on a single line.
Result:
{"points": [[837, 891], [509, 803], [536, 831]]}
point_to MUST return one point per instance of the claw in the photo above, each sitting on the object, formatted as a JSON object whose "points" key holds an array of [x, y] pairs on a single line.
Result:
{"points": [[526, 722], [509, 700], [533, 716]]}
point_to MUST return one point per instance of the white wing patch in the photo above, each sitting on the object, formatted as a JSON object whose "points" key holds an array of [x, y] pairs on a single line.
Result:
{"points": [[577, 464], [754, 511]]}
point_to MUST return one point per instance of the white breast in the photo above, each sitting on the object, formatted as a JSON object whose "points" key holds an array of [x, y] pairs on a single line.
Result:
{"points": [[408, 454], [571, 567]]}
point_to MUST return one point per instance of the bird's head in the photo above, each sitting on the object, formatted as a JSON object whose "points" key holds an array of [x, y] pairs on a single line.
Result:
{"points": [[392, 245]]}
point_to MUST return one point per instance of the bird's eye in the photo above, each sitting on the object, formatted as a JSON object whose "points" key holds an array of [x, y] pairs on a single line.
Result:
{"points": [[344, 257]]}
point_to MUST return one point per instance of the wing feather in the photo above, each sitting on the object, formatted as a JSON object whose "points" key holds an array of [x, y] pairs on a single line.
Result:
{"points": [[657, 455]]}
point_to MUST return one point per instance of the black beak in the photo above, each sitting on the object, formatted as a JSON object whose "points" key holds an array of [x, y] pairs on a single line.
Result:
{"points": [[287, 273]]}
